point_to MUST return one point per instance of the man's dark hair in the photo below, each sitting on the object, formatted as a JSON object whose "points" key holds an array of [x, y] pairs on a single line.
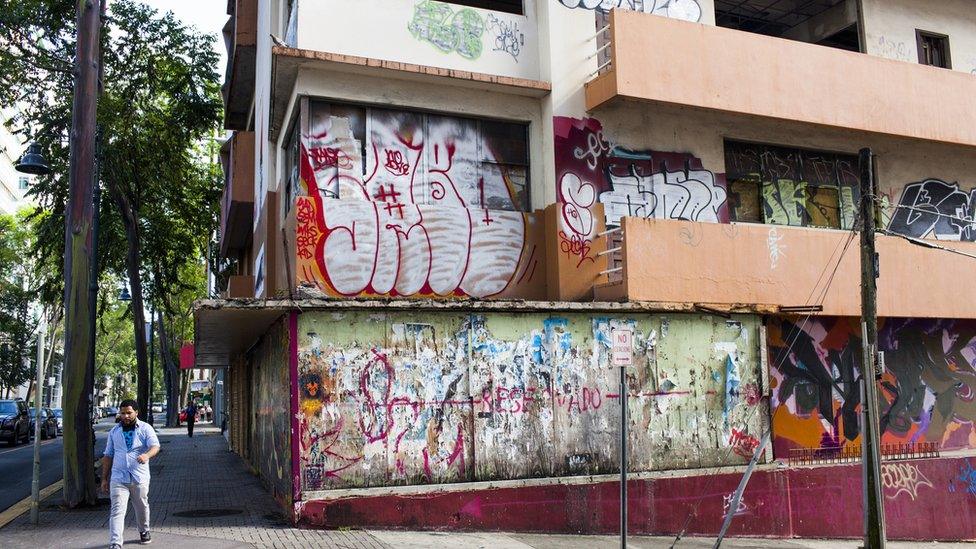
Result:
{"points": [[131, 403]]}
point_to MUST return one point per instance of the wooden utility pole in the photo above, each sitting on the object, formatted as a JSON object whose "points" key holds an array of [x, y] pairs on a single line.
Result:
{"points": [[874, 524], [79, 474]]}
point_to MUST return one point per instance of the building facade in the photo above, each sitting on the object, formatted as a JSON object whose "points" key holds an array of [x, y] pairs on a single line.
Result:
{"points": [[439, 212]]}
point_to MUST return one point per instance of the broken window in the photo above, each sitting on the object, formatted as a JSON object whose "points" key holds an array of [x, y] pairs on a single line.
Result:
{"points": [[785, 186], [507, 6], [408, 157]]}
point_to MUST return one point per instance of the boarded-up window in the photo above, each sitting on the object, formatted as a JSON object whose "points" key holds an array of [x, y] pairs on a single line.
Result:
{"points": [[407, 157], [785, 186]]}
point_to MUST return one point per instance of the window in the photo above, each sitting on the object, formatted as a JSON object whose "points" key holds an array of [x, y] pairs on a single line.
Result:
{"points": [[23, 183], [407, 157], [933, 49], [784, 186], [507, 6]]}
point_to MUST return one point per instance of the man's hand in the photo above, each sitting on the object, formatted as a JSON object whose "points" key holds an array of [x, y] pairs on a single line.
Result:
{"points": [[104, 486], [143, 458]]}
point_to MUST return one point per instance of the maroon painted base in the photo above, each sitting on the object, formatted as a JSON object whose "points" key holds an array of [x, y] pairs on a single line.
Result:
{"points": [[924, 500]]}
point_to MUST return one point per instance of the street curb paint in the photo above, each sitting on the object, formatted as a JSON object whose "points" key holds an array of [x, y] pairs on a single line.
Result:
{"points": [[23, 506]]}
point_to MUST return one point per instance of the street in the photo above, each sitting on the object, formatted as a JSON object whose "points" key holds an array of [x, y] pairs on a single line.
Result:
{"points": [[16, 464]]}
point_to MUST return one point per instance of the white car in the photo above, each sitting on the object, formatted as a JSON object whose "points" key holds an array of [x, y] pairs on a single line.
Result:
{"points": [[157, 408]]}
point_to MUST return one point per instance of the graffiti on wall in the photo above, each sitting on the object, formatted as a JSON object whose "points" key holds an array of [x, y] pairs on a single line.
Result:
{"points": [[271, 446], [927, 387], [902, 478], [688, 10], [934, 208], [786, 186], [506, 35], [465, 31], [648, 184], [391, 400], [421, 205]]}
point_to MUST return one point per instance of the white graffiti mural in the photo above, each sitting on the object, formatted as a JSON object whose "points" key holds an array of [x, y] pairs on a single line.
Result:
{"points": [[687, 10], [683, 194]]}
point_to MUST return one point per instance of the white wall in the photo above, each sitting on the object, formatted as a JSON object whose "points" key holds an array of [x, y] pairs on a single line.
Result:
{"points": [[890, 28], [424, 33]]}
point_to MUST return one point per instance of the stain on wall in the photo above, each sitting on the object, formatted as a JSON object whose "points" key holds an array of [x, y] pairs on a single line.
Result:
{"points": [[927, 389], [590, 167], [391, 399], [270, 398]]}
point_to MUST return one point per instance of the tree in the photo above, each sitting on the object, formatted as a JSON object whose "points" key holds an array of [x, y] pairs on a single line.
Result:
{"points": [[18, 350], [159, 99]]}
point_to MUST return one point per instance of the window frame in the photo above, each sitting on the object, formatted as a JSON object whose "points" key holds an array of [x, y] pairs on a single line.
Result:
{"points": [[922, 36]]}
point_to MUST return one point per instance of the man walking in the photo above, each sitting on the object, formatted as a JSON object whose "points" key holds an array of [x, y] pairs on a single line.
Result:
{"points": [[131, 444], [191, 417]]}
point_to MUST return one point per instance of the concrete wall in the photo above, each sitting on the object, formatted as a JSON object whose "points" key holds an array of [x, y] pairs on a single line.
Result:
{"points": [[890, 29], [417, 398], [425, 32], [924, 500], [926, 390], [270, 402]]}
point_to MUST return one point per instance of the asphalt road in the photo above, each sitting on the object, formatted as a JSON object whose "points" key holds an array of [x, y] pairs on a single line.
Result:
{"points": [[17, 464]]}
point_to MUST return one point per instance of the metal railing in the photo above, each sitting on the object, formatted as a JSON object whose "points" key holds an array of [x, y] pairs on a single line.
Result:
{"points": [[614, 251], [852, 453]]}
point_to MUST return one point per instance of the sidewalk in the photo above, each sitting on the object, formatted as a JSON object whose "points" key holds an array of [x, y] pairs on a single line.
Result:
{"points": [[201, 474]]}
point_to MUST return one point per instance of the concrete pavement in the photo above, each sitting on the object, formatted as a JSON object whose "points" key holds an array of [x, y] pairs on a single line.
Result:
{"points": [[203, 495]]}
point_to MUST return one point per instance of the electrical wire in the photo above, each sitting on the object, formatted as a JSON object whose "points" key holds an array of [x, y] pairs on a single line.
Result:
{"points": [[925, 243]]}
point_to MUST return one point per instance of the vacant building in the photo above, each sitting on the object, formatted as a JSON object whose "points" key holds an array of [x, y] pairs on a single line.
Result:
{"points": [[437, 214]]}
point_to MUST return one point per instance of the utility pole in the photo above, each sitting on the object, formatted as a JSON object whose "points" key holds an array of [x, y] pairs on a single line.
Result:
{"points": [[36, 473], [79, 473], [874, 524]]}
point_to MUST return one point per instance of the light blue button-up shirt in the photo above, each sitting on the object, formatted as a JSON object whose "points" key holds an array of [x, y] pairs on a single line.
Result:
{"points": [[125, 465]]}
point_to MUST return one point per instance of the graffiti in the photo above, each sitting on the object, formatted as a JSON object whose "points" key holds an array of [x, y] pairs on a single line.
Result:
{"points": [[648, 184], [893, 50], [577, 224], [967, 476], [412, 227], [935, 208], [741, 509], [902, 478], [396, 164], [463, 397], [751, 393], [776, 247], [688, 10], [447, 30], [784, 186], [927, 388], [596, 147], [508, 38], [328, 157], [743, 444]]}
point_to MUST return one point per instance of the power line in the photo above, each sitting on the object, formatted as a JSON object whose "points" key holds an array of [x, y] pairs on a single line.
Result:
{"points": [[925, 243], [939, 214]]}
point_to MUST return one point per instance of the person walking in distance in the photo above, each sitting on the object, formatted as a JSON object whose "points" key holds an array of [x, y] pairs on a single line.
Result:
{"points": [[191, 417], [131, 444]]}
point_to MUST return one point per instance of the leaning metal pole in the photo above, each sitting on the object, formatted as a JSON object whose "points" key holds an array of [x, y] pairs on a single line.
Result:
{"points": [[79, 473], [36, 473], [874, 524]]}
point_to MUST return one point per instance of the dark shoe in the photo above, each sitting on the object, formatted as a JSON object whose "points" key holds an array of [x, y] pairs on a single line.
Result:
{"points": [[115, 546], [145, 537]]}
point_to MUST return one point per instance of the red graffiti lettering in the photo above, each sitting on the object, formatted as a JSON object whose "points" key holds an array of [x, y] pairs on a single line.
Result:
{"points": [[395, 163], [743, 444], [329, 157]]}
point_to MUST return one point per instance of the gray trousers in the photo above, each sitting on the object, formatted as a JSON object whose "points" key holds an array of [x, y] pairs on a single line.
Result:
{"points": [[121, 494]]}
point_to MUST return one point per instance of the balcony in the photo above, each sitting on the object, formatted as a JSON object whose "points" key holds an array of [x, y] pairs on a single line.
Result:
{"points": [[732, 71], [774, 268], [237, 203], [240, 38]]}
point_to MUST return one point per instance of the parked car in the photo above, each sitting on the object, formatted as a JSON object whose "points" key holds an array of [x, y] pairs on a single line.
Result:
{"points": [[110, 411], [14, 421], [49, 424], [59, 415], [157, 408]]}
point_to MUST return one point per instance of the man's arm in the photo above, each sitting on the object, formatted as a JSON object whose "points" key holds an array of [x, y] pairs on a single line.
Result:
{"points": [[106, 471], [152, 441]]}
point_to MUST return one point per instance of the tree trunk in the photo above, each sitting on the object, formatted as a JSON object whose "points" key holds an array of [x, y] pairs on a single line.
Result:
{"points": [[79, 473], [171, 371], [131, 223]]}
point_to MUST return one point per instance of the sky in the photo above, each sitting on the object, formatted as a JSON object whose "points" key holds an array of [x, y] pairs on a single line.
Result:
{"points": [[208, 16]]}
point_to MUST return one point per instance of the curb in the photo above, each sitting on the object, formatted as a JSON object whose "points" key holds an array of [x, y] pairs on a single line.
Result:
{"points": [[22, 506]]}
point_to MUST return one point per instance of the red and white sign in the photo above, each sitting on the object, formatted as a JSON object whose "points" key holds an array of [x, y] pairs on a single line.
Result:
{"points": [[622, 347]]}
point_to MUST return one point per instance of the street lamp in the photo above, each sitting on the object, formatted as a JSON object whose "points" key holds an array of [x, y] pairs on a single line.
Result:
{"points": [[33, 163], [124, 294]]}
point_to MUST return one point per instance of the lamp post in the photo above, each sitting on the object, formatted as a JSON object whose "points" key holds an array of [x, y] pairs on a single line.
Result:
{"points": [[34, 163]]}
